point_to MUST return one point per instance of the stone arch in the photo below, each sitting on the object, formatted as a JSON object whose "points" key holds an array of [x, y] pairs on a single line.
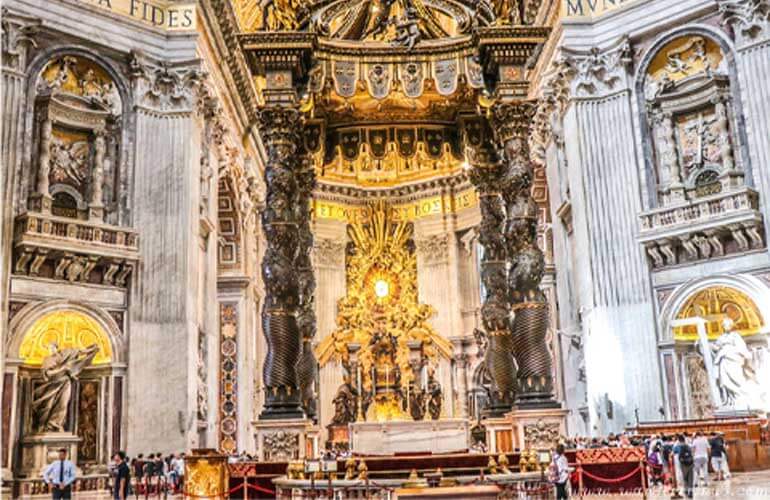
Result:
{"points": [[121, 164], [29, 317], [727, 49], [750, 287]]}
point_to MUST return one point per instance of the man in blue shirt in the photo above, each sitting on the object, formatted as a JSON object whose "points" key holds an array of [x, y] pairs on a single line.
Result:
{"points": [[59, 476]]}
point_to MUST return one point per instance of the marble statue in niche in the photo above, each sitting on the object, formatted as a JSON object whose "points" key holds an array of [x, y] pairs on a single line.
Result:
{"points": [[51, 397], [735, 374]]}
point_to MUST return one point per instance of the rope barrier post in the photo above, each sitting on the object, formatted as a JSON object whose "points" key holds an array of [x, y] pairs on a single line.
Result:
{"points": [[580, 480], [642, 469], [245, 487]]}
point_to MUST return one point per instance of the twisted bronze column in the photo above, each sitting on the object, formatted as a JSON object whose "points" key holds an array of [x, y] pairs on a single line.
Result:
{"points": [[511, 123], [280, 128], [486, 175], [307, 368]]}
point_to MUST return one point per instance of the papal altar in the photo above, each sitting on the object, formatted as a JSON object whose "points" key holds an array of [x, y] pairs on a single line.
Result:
{"points": [[392, 437]]}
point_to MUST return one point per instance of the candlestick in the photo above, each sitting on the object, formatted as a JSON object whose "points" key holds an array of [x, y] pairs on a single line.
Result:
{"points": [[408, 413], [358, 378]]}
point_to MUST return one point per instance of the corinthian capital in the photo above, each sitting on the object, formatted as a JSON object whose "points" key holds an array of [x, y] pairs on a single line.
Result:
{"points": [[749, 19], [18, 36], [165, 87], [598, 72]]}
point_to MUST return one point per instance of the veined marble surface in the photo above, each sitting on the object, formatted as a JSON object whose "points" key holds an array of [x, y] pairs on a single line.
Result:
{"points": [[385, 438]]}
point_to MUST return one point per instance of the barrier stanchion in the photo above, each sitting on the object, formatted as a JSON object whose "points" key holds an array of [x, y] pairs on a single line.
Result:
{"points": [[642, 468], [580, 481]]}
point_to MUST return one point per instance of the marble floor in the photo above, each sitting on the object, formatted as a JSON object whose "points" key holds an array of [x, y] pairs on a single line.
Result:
{"points": [[742, 486]]}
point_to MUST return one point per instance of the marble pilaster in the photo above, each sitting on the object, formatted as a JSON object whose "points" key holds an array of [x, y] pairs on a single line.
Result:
{"points": [[751, 28], [609, 275], [164, 297], [329, 263], [18, 41]]}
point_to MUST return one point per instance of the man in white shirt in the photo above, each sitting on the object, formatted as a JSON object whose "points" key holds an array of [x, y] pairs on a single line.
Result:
{"points": [[59, 476], [700, 451]]}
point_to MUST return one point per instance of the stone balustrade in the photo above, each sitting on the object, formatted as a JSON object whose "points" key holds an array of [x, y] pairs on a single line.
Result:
{"points": [[704, 228], [75, 250]]}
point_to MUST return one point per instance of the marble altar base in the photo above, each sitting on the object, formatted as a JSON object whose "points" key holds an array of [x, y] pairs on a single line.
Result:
{"points": [[537, 429], [499, 437], [283, 440], [39, 450], [387, 438]]}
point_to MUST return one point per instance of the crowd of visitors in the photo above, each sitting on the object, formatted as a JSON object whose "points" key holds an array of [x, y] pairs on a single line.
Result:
{"points": [[679, 463], [154, 475], [689, 456]]}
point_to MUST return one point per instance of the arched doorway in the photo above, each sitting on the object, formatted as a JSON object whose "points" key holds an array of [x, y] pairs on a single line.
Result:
{"points": [[694, 331], [81, 412]]}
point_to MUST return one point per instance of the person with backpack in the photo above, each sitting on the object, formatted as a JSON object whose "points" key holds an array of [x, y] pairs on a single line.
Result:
{"points": [[685, 460], [558, 473], [149, 473], [717, 446]]}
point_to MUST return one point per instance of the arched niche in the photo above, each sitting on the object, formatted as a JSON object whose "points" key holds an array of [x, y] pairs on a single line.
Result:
{"points": [[745, 300], [691, 117], [97, 395], [64, 329], [713, 304], [77, 137]]}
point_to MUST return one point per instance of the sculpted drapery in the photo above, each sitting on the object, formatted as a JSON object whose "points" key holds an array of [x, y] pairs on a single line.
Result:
{"points": [[51, 398]]}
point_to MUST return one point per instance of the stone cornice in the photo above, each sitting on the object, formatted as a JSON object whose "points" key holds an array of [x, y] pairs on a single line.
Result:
{"points": [[748, 19], [224, 18], [419, 190]]}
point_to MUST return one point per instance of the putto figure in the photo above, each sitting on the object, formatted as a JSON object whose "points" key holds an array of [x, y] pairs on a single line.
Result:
{"points": [[51, 398]]}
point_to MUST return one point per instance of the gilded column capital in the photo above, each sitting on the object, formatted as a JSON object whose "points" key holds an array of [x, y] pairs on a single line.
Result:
{"points": [[598, 71], [748, 19]]}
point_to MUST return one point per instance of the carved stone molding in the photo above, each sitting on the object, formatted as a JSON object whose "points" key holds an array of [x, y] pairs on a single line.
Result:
{"points": [[554, 96], [433, 249], [165, 87], [280, 446], [748, 19], [541, 435], [18, 36], [329, 253], [599, 72]]}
